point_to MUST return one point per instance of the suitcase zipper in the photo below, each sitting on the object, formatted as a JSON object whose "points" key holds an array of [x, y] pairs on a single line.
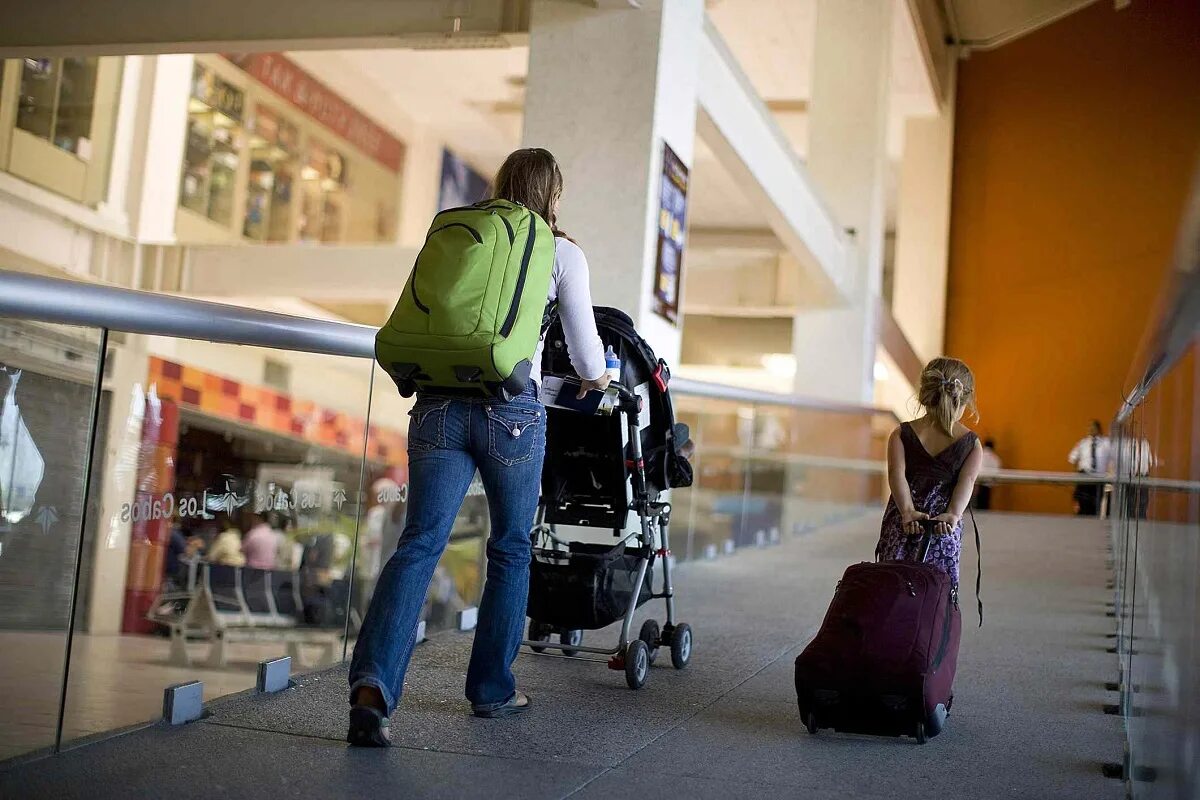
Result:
{"points": [[941, 653], [511, 319]]}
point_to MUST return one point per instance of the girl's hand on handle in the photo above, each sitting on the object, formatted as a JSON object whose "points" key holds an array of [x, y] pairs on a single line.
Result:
{"points": [[946, 523], [600, 384], [912, 521]]}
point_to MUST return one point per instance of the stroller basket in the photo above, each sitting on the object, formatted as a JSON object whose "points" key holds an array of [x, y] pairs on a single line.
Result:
{"points": [[586, 587]]}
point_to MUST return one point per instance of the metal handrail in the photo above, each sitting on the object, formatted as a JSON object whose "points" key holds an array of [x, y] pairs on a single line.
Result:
{"points": [[67, 302], [93, 305], [721, 391]]}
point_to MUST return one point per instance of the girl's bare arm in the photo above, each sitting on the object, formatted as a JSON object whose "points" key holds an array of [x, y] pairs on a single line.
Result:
{"points": [[962, 490], [898, 483]]}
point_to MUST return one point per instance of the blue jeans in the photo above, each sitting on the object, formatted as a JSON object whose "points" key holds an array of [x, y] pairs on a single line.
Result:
{"points": [[448, 439]]}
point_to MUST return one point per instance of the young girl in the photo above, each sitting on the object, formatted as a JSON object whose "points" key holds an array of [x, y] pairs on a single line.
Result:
{"points": [[932, 465]]}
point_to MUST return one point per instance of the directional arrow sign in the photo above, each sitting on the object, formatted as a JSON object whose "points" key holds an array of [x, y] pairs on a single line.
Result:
{"points": [[46, 518]]}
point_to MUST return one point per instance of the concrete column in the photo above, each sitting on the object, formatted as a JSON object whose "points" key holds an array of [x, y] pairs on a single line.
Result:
{"points": [[419, 185], [124, 140], [158, 166], [121, 442], [847, 159], [606, 89], [923, 228]]}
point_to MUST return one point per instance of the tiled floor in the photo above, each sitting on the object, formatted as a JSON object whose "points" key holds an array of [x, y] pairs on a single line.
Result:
{"points": [[1027, 723]]}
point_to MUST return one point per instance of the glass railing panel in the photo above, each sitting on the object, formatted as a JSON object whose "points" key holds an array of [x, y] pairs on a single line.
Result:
{"points": [[1159, 465], [713, 507], [836, 463], [766, 515], [458, 579], [47, 396], [228, 514]]}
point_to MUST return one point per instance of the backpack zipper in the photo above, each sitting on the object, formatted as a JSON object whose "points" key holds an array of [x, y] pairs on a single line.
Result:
{"points": [[474, 233], [512, 236], [511, 319], [476, 207]]}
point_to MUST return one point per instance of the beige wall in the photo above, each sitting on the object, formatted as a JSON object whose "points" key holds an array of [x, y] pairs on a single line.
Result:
{"points": [[1074, 148]]}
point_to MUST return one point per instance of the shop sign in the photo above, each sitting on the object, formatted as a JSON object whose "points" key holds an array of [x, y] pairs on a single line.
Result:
{"points": [[672, 225], [218, 94], [228, 501], [321, 103]]}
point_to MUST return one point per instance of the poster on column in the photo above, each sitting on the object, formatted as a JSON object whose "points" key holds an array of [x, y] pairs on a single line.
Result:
{"points": [[461, 185], [672, 227]]}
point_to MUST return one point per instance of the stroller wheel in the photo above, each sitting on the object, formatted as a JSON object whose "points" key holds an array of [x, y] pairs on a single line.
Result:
{"points": [[538, 633], [571, 637], [637, 664], [681, 645], [650, 635]]}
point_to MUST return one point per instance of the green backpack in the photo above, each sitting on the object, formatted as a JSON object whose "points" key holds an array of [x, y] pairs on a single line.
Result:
{"points": [[469, 318]]}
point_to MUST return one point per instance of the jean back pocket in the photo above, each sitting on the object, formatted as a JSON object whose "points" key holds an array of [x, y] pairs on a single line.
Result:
{"points": [[515, 432], [427, 424]]}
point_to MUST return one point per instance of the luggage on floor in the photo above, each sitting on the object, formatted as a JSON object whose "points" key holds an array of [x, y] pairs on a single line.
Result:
{"points": [[883, 660]]}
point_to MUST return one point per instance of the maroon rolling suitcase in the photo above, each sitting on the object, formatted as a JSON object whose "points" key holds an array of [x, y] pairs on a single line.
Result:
{"points": [[883, 660]]}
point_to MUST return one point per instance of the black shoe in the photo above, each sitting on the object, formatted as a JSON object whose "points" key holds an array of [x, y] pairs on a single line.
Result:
{"points": [[368, 728], [516, 704]]}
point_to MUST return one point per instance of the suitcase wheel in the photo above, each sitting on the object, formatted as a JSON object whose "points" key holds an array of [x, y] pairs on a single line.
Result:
{"points": [[810, 722], [921, 733]]}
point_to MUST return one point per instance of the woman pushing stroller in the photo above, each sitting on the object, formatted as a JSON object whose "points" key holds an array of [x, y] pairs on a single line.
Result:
{"points": [[451, 435]]}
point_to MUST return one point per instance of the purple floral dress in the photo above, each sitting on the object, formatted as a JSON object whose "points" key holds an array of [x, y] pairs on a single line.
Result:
{"points": [[931, 481]]}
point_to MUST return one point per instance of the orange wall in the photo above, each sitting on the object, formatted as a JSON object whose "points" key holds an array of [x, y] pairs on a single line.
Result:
{"points": [[1072, 158]]}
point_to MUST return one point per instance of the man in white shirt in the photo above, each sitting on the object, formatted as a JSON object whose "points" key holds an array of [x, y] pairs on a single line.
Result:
{"points": [[983, 486], [1133, 459], [1090, 456]]}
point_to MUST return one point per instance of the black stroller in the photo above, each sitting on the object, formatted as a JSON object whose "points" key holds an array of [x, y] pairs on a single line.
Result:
{"points": [[597, 470]]}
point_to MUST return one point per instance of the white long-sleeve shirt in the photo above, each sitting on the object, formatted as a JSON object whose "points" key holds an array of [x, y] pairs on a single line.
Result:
{"points": [[569, 285], [1091, 454], [1133, 457]]}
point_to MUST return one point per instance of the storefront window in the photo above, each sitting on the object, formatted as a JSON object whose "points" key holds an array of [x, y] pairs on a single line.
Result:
{"points": [[274, 150], [57, 102], [214, 140], [324, 186]]}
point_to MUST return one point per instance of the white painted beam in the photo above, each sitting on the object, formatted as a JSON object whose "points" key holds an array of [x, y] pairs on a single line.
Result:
{"points": [[341, 273], [737, 126], [932, 36], [123, 27]]}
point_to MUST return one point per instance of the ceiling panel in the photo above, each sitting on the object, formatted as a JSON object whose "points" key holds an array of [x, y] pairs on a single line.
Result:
{"points": [[772, 39], [996, 21]]}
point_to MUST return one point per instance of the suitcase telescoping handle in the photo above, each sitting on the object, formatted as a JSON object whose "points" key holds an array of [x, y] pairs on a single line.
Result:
{"points": [[928, 531]]}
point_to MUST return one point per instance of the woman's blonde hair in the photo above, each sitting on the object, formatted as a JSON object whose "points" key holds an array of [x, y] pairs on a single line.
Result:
{"points": [[531, 177], [947, 391]]}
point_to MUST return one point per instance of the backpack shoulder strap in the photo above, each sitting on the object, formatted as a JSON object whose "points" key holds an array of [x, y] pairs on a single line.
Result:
{"points": [[978, 564], [549, 317]]}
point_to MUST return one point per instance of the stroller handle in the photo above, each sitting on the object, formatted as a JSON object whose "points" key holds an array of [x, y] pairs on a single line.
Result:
{"points": [[627, 398]]}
